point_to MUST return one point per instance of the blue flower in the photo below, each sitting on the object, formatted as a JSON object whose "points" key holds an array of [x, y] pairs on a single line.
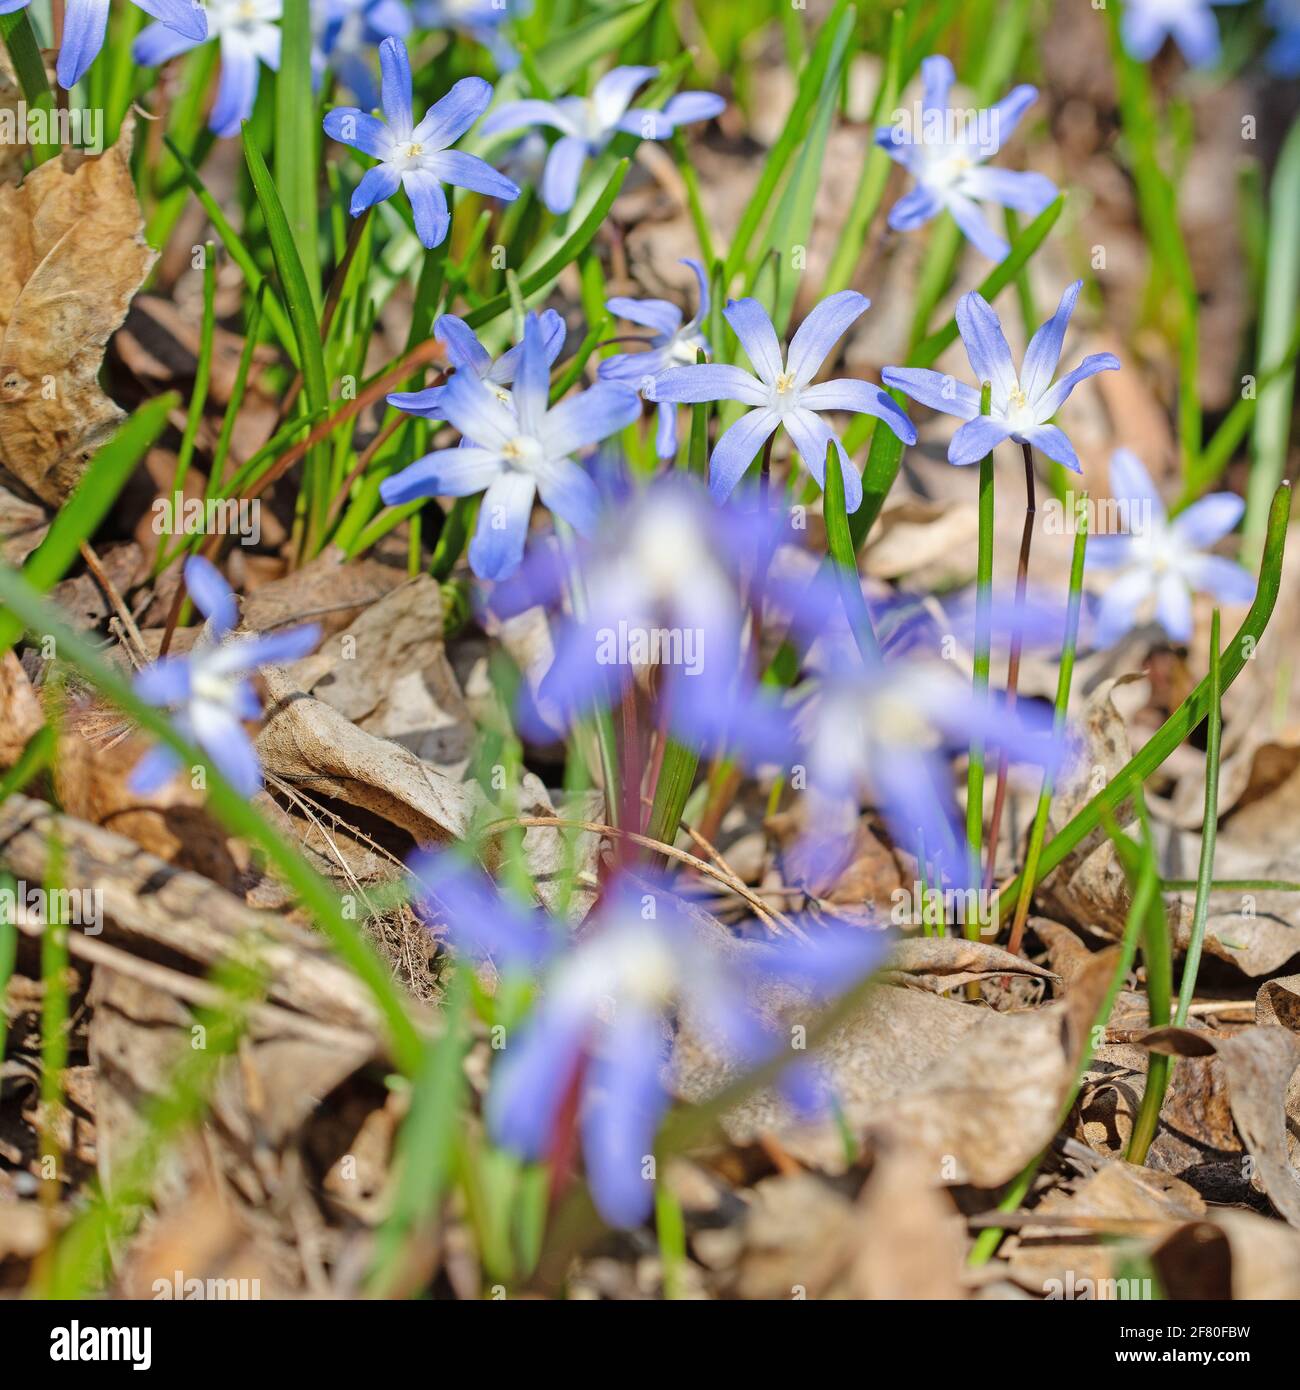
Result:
{"points": [[588, 124], [1145, 24], [467, 354], [346, 33], [674, 344], [518, 447], [890, 732], [210, 689], [946, 155], [249, 34], [1159, 563], [782, 394], [482, 20], [601, 1031], [1283, 55], [86, 21], [1022, 406], [417, 157]]}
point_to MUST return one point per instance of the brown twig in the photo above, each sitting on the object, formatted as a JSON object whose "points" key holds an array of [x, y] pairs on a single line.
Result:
{"points": [[1013, 660]]}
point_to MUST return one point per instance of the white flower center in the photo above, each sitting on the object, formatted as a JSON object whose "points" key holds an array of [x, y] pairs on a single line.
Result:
{"points": [[524, 454]]}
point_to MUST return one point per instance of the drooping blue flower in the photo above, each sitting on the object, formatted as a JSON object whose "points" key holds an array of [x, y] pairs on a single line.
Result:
{"points": [[209, 689], [418, 158], [674, 344], [518, 447], [946, 152], [482, 20], [1283, 56], [346, 34], [467, 354], [588, 124], [1146, 24], [601, 1030], [1159, 562], [85, 23], [1022, 406], [249, 34], [782, 392]]}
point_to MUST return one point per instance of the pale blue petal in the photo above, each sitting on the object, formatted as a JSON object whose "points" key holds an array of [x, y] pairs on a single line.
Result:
{"points": [[1174, 607], [1052, 441], [986, 346], [156, 45], [444, 473], [158, 766], [865, 397], [376, 185], [821, 330], [350, 126], [589, 417], [753, 327], [975, 229], [562, 172], [710, 381], [450, 117], [515, 115], [1228, 581], [737, 449], [612, 95], [1055, 397], [811, 436], [935, 389], [186, 17], [429, 205], [212, 595], [1044, 350], [915, 208], [1006, 114], [84, 23], [1023, 190], [498, 544], [976, 439], [568, 491], [1208, 520], [1130, 481], [464, 351], [395, 77], [659, 314]]}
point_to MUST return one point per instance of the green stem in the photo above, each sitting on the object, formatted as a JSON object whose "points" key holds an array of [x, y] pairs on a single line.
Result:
{"points": [[1209, 831], [982, 659]]}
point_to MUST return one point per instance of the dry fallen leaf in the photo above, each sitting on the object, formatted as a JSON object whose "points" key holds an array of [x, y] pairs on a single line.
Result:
{"points": [[74, 255]]}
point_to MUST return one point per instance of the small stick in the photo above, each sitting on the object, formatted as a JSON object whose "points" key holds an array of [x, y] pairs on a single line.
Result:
{"points": [[1013, 661]]}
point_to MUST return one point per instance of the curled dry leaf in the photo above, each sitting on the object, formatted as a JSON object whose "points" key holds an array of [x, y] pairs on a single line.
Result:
{"points": [[944, 964], [20, 710], [74, 255]]}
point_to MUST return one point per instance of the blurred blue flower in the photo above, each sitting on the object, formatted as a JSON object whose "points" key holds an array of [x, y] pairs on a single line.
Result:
{"points": [[209, 689], [1021, 406], [467, 354], [249, 34], [674, 344], [601, 1031], [418, 158], [85, 23], [662, 583], [890, 733], [782, 392], [347, 32], [1160, 563], [945, 152], [482, 20], [518, 447], [588, 124], [1283, 55], [1146, 24]]}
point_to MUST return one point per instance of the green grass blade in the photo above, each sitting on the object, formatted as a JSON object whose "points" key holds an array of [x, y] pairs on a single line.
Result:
{"points": [[25, 54], [840, 543], [80, 516], [297, 139], [982, 660]]}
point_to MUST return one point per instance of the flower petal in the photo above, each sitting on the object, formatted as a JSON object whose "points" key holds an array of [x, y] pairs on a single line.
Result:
{"points": [[1006, 114], [1174, 606], [212, 595], [936, 389], [1023, 190], [236, 89], [498, 543], [562, 172], [515, 115], [156, 44], [1228, 581], [624, 1101], [986, 346], [531, 1083], [659, 314], [567, 489], [464, 351], [1044, 350], [977, 438], [915, 208], [84, 23], [469, 171], [811, 436], [975, 229], [1208, 520], [350, 126], [937, 77], [821, 330], [1130, 482], [587, 418], [710, 381], [1055, 397], [865, 397], [395, 79], [737, 448], [443, 473], [184, 16], [1196, 31], [1052, 441], [478, 413], [451, 116], [158, 766], [429, 204], [377, 184], [165, 682], [613, 94], [753, 327]]}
